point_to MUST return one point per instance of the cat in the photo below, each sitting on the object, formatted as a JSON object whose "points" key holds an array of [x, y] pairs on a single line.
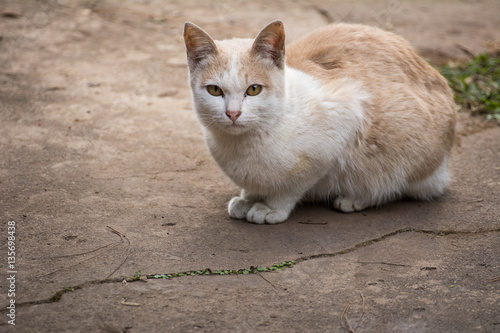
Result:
{"points": [[349, 115]]}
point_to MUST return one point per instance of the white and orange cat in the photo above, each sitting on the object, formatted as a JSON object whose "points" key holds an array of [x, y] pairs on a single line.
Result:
{"points": [[348, 114]]}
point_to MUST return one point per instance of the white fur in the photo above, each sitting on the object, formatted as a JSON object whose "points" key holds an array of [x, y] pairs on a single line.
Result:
{"points": [[285, 155], [432, 186]]}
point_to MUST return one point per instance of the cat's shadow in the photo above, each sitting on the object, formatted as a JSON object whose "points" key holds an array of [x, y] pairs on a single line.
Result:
{"points": [[312, 229]]}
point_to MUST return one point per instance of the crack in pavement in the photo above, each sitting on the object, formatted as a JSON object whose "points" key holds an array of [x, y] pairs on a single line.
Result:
{"points": [[253, 269]]}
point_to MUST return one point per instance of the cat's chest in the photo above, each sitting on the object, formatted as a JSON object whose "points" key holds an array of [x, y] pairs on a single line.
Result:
{"points": [[254, 163]]}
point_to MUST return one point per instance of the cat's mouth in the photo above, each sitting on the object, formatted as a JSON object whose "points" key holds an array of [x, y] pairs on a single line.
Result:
{"points": [[235, 127], [234, 123]]}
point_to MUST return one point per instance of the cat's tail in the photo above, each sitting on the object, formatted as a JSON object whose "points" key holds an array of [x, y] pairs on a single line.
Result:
{"points": [[432, 186]]}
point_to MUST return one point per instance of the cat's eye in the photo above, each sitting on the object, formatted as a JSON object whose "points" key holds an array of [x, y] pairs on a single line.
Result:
{"points": [[254, 89], [214, 90]]}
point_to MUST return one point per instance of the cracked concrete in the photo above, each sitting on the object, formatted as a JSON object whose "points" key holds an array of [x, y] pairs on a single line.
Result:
{"points": [[97, 130], [139, 277]]}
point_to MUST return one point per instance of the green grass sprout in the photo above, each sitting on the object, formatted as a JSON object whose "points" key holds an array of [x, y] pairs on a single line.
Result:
{"points": [[476, 84]]}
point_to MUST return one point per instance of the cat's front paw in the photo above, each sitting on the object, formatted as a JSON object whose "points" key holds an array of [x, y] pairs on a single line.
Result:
{"points": [[261, 214], [348, 205], [239, 207]]}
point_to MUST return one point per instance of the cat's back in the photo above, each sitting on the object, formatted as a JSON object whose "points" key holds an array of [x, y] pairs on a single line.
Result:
{"points": [[368, 54]]}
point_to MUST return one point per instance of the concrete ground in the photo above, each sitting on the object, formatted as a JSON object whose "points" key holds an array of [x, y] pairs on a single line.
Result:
{"points": [[97, 130]]}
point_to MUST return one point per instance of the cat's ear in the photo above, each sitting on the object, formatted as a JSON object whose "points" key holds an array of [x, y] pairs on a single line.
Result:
{"points": [[199, 44], [270, 43]]}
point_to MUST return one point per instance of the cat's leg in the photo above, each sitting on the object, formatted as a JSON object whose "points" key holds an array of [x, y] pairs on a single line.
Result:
{"points": [[427, 189], [349, 205], [274, 210], [239, 206]]}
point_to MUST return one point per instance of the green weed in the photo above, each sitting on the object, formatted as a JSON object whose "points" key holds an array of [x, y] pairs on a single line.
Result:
{"points": [[476, 84], [137, 276], [208, 271]]}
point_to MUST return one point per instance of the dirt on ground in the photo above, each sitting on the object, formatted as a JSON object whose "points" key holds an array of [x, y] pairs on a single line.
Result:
{"points": [[105, 176]]}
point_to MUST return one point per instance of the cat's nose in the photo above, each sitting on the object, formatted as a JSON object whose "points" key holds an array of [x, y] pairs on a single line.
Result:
{"points": [[233, 115]]}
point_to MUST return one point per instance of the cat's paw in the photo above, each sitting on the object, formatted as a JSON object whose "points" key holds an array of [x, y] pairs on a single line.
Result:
{"points": [[257, 214], [261, 214], [348, 205], [239, 207]]}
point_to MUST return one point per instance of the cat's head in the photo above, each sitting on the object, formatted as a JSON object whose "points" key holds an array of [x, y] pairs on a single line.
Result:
{"points": [[238, 84]]}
